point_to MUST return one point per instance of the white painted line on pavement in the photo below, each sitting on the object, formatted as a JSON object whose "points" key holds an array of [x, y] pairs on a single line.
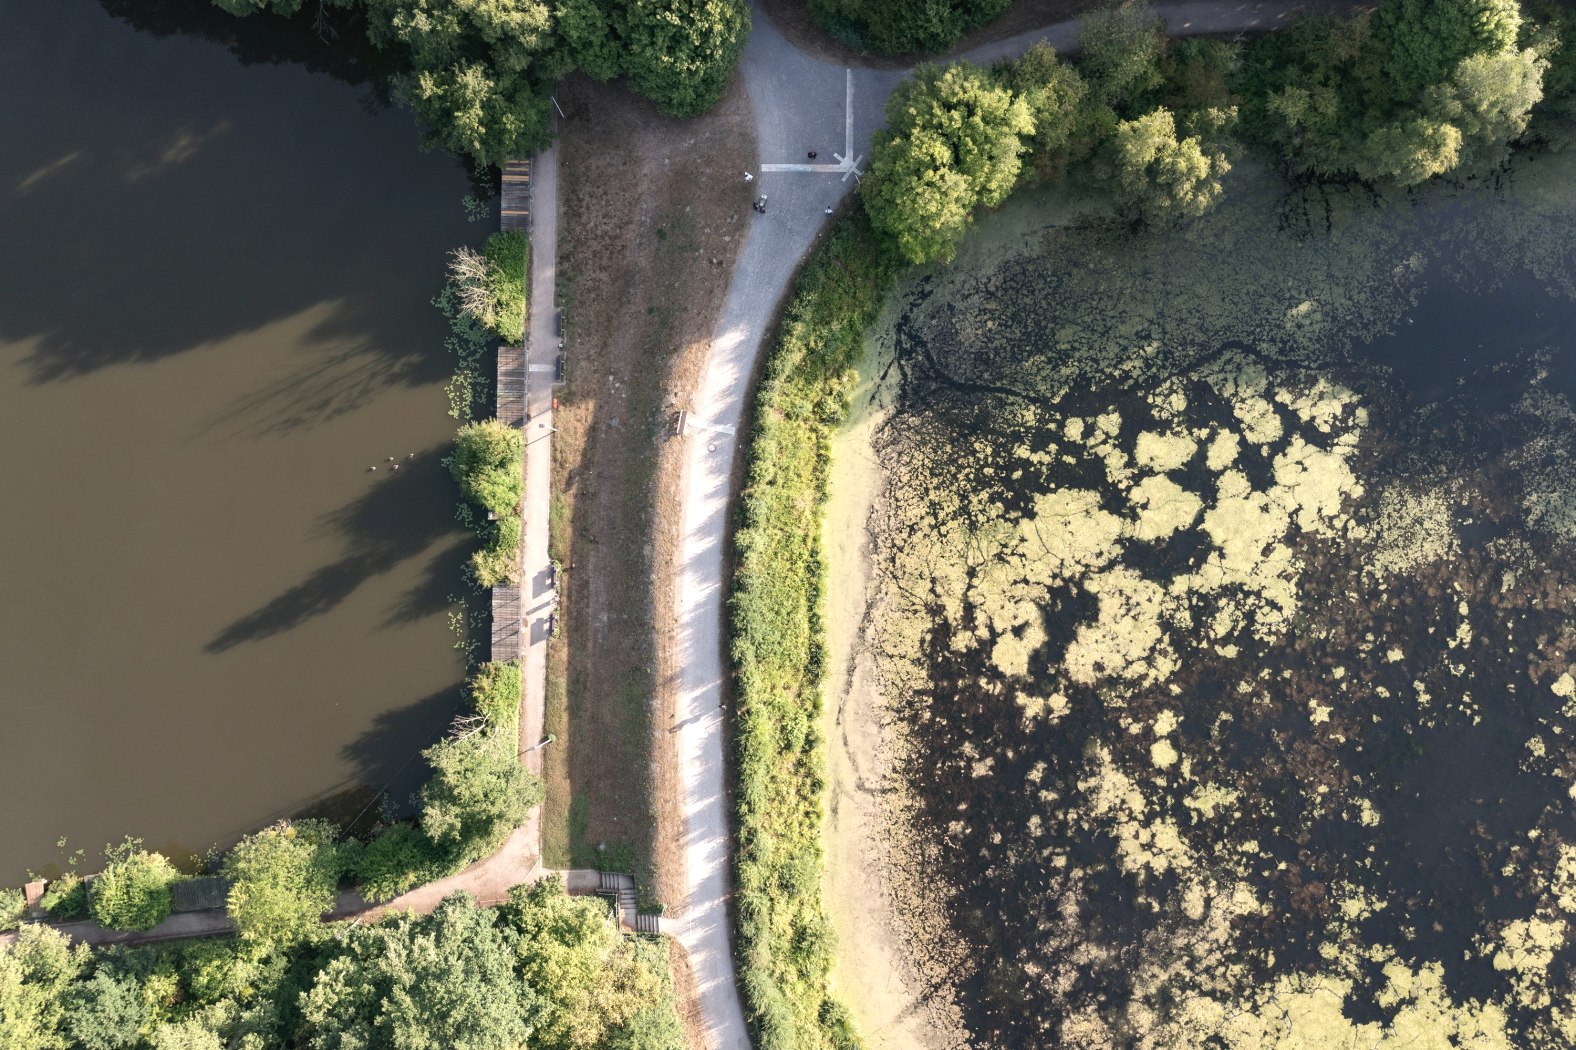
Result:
{"points": [[844, 166], [544, 368], [848, 116]]}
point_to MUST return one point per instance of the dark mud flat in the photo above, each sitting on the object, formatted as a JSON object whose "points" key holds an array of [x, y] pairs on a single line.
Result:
{"points": [[217, 261], [1225, 600]]}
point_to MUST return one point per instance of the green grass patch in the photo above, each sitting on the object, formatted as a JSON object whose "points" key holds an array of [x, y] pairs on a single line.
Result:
{"points": [[777, 645]]}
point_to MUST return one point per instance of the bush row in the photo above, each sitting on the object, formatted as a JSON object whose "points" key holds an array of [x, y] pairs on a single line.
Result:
{"points": [[545, 970], [489, 466], [480, 75], [1400, 94], [777, 646]]}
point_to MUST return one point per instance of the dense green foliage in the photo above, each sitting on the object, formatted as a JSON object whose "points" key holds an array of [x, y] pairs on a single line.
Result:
{"points": [[66, 897], [13, 908], [35, 974], [478, 793], [489, 285], [893, 27], [283, 879], [952, 143], [480, 73], [1407, 92], [489, 466], [1411, 91], [133, 890], [776, 644], [546, 971]]}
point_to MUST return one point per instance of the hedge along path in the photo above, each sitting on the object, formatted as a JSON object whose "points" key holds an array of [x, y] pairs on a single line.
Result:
{"points": [[777, 644]]}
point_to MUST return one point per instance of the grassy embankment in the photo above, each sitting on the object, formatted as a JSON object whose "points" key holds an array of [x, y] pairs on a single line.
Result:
{"points": [[777, 641]]}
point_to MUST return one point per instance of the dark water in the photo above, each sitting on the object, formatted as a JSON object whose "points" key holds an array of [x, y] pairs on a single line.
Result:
{"points": [[215, 274]]}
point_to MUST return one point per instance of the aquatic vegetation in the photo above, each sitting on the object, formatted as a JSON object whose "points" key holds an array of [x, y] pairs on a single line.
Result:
{"points": [[1237, 677]]}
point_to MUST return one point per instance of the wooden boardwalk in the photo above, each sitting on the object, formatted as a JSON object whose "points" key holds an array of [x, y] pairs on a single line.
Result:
{"points": [[508, 611], [507, 622], [511, 385], [515, 213]]}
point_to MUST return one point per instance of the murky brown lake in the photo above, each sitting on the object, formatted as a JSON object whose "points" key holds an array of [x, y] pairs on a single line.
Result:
{"points": [[215, 278]]}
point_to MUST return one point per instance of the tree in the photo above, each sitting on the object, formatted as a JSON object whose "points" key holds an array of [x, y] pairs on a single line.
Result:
{"points": [[35, 973], [1419, 43], [487, 465], [398, 859], [189, 1034], [894, 27], [681, 53], [1054, 94], [133, 890], [952, 143], [598, 989], [1489, 100], [480, 71], [446, 981], [106, 1012], [282, 880], [1416, 90], [1163, 176], [478, 793], [592, 36], [1122, 44]]}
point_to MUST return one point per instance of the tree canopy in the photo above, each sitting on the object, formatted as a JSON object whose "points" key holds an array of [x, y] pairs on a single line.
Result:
{"points": [[893, 27], [133, 890], [479, 74], [1413, 90], [282, 880], [952, 142]]}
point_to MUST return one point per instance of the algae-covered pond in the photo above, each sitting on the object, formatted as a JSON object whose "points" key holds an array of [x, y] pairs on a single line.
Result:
{"points": [[1219, 603]]}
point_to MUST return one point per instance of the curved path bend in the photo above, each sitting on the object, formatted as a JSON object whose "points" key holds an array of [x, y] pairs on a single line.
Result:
{"points": [[801, 103]]}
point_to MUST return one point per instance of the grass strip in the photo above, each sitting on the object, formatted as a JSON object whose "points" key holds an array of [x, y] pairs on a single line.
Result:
{"points": [[777, 644]]}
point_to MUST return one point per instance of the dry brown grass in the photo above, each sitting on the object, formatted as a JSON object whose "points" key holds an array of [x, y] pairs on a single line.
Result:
{"points": [[646, 249]]}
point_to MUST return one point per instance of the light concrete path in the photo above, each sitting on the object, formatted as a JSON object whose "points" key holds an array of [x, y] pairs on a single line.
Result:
{"points": [[801, 103], [538, 595]]}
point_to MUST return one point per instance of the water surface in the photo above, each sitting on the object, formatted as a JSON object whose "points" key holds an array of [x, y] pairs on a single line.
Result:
{"points": [[215, 278]]}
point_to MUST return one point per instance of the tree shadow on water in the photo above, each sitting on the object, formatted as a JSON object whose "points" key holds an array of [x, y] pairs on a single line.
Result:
{"points": [[402, 515], [388, 754], [158, 197]]}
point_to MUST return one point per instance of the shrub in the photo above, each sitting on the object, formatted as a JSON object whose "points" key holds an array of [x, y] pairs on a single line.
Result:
{"points": [[495, 693], [13, 909], [478, 793], [400, 858], [776, 642], [66, 897], [282, 880], [894, 27], [133, 891], [498, 562], [488, 465], [490, 285]]}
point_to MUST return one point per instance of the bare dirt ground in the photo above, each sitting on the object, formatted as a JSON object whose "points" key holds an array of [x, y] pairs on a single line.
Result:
{"points": [[650, 223]]}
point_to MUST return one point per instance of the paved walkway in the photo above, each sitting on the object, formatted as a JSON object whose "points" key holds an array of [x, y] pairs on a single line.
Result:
{"points": [[538, 594], [801, 103]]}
